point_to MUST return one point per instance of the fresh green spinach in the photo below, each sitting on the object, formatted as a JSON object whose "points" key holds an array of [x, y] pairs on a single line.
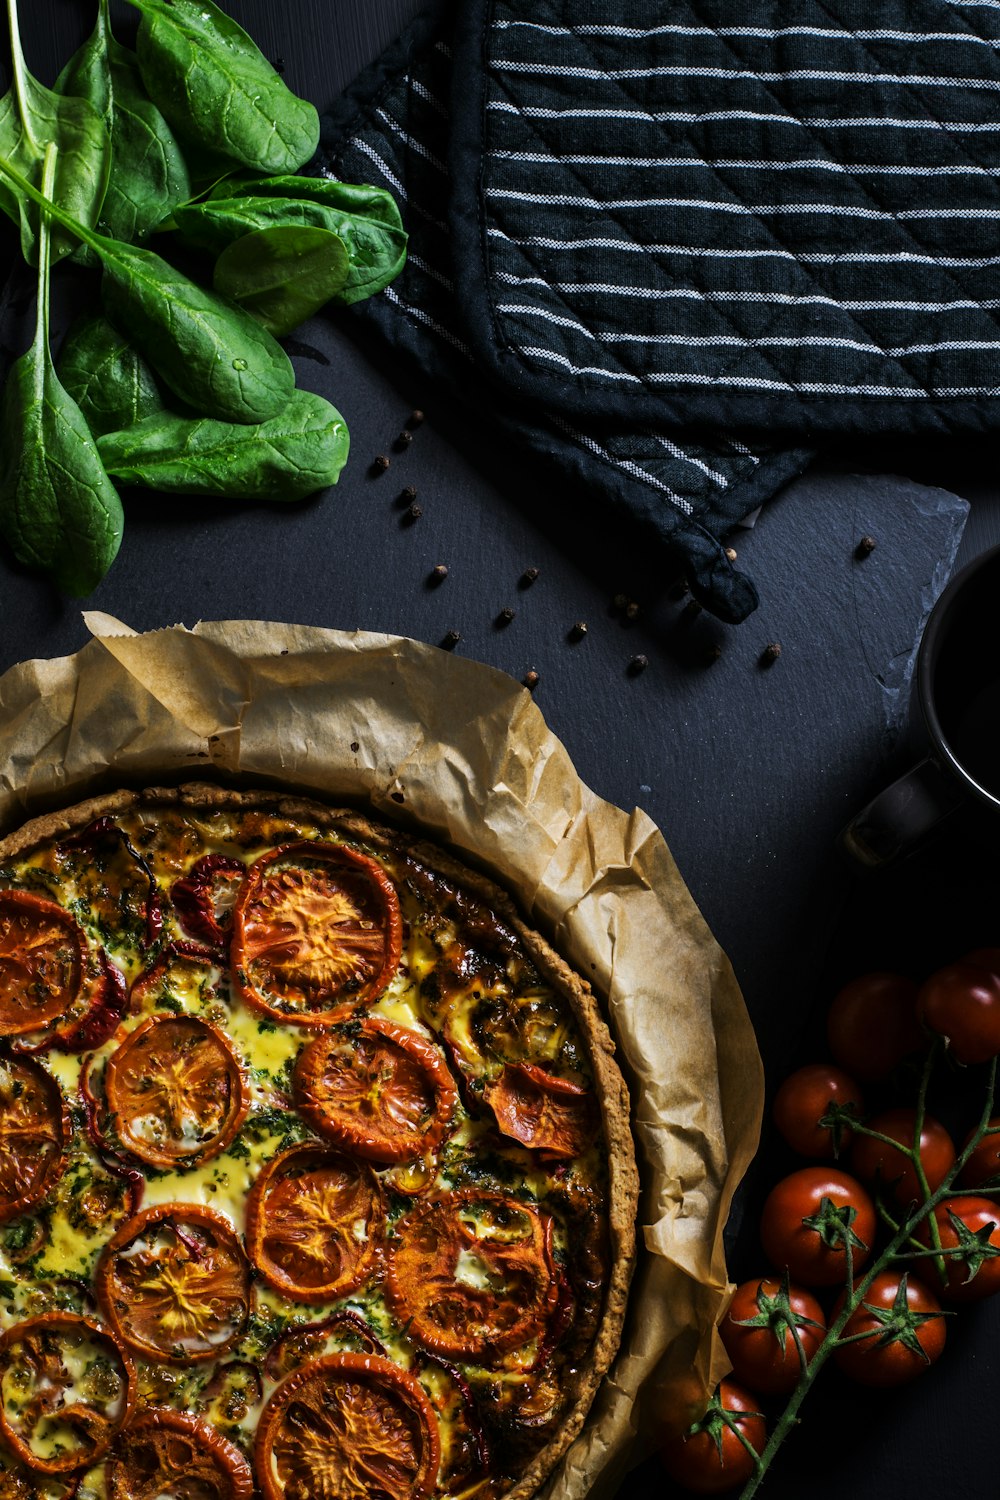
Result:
{"points": [[215, 357], [365, 218], [218, 90], [282, 275], [58, 509], [107, 377], [32, 117], [149, 176], [287, 458]]}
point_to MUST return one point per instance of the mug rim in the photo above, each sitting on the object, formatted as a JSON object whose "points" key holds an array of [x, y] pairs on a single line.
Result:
{"points": [[926, 661]]}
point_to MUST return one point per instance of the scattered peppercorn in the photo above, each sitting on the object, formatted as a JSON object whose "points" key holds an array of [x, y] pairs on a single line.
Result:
{"points": [[689, 613], [438, 573], [731, 553], [638, 664], [770, 654], [711, 653], [620, 601], [678, 591], [355, 747], [415, 418], [505, 616], [414, 512], [528, 577], [865, 548], [578, 631], [530, 680], [403, 441], [408, 494], [380, 463], [631, 610], [451, 639]]}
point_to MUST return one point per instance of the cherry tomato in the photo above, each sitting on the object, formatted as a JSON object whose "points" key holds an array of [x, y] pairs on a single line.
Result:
{"points": [[982, 1170], [974, 1225], [887, 1168], [357, 1417], [710, 1458], [962, 1003], [543, 1111], [802, 1101], [166, 1452], [757, 1333], [906, 1328], [872, 1025], [471, 1275], [816, 1253]]}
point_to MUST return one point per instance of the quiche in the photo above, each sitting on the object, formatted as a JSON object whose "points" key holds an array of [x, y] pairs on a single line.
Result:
{"points": [[316, 1173]]}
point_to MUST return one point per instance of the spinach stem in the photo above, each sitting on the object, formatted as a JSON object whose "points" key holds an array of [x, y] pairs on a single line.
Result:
{"points": [[19, 71]]}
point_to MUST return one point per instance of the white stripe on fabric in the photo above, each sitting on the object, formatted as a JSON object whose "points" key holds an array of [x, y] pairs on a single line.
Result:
{"points": [[638, 33], [428, 322], [791, 75], [429, 270], [779, 299], [813, 388], [625, 464], [410, 143], [688, 117], [689, 458], [810, 163], [747, 210], [394, 181], [819, 257], [424, 93]]}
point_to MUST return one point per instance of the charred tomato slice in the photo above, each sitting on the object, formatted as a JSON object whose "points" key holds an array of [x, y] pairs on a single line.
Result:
{"points": [[204, 897], [175, 1090], [41, 962], [66, 1390], [542, 1111], [315, 1223], [165, 1452], [384, 1093], [350, 1425], [34, 1132], [471, 1275], [174, 1283], [316, 931]]}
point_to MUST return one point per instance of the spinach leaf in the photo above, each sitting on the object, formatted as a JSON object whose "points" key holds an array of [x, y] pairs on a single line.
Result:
{"points": [[106, 376], [286, 458], [33, 117], [58, 509], [148, 173], [282, 275], [218, 90], [366, 219], [214, 356]]}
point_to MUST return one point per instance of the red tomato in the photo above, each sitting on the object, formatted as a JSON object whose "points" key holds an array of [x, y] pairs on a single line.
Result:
{"points": [[710, 1459], [888, 1168], [815, 1253], [802, 1101], [974, 1225], [983, 1166], [872, 1025], [902, 1306], [962, 1003], [757, 1333]]}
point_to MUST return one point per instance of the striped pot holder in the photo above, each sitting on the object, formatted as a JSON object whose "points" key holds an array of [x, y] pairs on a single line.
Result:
{"points": [[674, 247]]}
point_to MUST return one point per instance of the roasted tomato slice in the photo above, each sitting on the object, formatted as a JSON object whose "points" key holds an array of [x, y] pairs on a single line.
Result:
{"points": [[175, 1091], [542, 1111], [66, 1390], [205, 896], [315, 1223], [385, 1094], [41, 962], [172, 1453], [316, 931], [174, 1283], [471, 1275], [34, 1132], [350, 1425]]}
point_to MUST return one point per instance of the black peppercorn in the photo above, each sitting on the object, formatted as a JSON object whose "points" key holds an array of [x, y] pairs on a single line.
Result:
{"points": [[415, 418], [451, 639], [380, 463], [505, 616], [439, 573], [638, 664], [530, 680], [578, 631], [403, 441], [865, 548], [528, 577], [770, 654]]}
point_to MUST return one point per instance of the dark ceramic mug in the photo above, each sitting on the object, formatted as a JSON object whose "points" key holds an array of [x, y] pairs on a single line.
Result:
{"points": [[957, 697]]}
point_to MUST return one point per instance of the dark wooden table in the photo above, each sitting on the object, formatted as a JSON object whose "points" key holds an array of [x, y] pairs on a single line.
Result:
{"points": [[749, 773]]}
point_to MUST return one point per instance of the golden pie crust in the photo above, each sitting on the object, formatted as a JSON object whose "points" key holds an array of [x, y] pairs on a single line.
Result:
{"points": [[450, 995]]}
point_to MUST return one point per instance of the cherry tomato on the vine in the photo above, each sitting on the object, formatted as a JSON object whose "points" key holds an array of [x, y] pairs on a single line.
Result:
{"points": [[905, 1328], [982, 1170], [809, 1095], [710, 1459], [872, 1025], [971, 1225], [757, 1333], [962, 1003], [808, 1220], [888, 1168]]}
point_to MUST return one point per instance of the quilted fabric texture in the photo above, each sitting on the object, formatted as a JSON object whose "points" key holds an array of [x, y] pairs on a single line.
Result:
{"points": [[779, 214], [395, 128]]}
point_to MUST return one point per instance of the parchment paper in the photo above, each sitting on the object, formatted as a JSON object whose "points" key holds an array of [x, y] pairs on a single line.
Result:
{"points": [[461, 750]]}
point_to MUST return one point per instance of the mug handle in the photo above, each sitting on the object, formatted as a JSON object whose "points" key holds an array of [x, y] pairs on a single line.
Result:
{"points": [[901, 816]]}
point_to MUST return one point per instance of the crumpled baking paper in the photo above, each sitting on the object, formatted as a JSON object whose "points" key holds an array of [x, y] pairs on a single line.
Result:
{"points": [[460, 750]]}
